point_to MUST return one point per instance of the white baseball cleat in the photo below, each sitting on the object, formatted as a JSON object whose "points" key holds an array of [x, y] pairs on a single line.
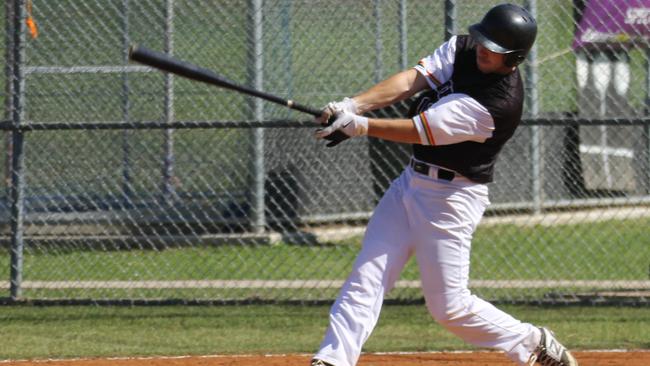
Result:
{"points": [[317, 362], [550, 352]]}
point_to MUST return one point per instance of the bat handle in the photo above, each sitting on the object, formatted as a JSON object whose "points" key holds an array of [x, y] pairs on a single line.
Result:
{"points": [[303, 108], [309, 110]]}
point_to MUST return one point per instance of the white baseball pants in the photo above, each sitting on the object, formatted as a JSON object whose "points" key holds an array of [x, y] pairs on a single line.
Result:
{"points": [[433, 219]]}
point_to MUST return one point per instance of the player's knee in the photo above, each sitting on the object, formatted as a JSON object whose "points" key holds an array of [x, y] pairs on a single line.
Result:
{"points": [[445, 308]]}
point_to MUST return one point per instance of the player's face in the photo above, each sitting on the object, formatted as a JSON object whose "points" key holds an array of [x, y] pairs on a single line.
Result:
{"points": [[490, 62]]}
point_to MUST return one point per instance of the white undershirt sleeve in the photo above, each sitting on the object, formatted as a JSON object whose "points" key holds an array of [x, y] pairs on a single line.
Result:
{"points": [[438, 67], [454, 118]]}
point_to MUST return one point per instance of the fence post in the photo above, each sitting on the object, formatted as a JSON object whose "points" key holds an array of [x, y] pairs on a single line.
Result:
{"points": [[532, 101], [403, 35], [379, 66], [257, 81], [18, 158], [168, 163], [450, 19], [646, 128], [287, 43], [9, 92], [127, 189]]}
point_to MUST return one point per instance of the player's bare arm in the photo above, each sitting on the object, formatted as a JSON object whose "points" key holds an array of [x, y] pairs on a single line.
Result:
{"points": [[352, 125], [396, 88], [397, 130], [453, 119]]}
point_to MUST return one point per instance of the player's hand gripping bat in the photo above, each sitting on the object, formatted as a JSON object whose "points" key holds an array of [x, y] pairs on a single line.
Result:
{"points": [[175, 66]]}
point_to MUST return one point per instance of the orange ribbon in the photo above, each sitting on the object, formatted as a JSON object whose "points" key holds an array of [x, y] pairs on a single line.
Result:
{"points": [[31, 24]]}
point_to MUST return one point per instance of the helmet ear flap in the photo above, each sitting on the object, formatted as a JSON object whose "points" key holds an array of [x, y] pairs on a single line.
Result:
{"points": [[514, 59]]}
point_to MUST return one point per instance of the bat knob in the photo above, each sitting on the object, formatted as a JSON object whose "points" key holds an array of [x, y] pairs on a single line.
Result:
{"points": [[132, 48]]}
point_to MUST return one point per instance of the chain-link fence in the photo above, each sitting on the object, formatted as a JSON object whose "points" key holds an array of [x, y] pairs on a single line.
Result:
{"points": [[126, 184]]}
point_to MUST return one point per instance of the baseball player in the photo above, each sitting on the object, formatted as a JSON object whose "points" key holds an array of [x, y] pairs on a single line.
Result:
{"points": [[472, 106]]}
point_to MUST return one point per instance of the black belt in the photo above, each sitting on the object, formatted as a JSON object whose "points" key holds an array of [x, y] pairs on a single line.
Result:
{"points": [[426, 169]]}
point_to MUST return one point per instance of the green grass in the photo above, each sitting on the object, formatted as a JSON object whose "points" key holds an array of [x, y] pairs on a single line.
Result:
{"points": [[43, 332], [609, 250], [612, 250], [223, 262]]}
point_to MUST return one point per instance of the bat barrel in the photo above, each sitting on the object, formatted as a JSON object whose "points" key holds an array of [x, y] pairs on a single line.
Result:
{"points": [[172, 65]]}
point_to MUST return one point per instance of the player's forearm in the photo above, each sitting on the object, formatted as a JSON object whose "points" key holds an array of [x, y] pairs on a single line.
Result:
{"points": [[398, 130], [398, 87]]}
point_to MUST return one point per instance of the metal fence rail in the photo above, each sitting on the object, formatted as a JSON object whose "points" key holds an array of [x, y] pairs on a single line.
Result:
{"points": [[126, 184]]}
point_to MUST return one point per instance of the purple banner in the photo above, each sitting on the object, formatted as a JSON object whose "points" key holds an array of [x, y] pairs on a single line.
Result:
{"points": [[612, 24]]}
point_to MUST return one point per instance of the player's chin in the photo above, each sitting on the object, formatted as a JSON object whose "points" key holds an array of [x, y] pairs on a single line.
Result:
{"points": [[484, 67]]}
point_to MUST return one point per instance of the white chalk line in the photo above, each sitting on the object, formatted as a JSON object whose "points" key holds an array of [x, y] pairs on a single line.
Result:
{"points": [[281, 355], [311, 284]]}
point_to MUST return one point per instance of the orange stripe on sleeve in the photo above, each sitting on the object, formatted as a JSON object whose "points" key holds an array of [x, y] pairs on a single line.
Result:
{"points": [[433, 78], [427, 129], [430, 75]]}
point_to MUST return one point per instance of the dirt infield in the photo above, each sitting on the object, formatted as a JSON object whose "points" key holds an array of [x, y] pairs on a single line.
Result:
{"points": [[600, 358]]}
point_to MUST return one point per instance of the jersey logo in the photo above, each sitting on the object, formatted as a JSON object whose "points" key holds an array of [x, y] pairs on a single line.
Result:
{"points": [[424, 104], [433, 96], [445, 89], [426, 99]]}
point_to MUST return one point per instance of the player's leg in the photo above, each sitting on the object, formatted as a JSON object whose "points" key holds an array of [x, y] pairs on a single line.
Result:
{"points": [[449, 213], [385, 250]]}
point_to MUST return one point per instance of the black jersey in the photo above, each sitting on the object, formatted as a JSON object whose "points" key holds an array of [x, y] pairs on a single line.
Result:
{"points": [[501, 95]]}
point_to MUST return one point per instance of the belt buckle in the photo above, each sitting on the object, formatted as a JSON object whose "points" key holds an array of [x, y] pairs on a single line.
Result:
{"points": [[421, 168]]}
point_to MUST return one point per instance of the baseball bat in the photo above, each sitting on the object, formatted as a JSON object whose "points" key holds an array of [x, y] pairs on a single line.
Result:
{"points": [[175, 66]]}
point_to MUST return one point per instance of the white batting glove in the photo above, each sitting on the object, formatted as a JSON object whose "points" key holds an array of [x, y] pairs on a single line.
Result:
{"points": [[345, 126], [346, 105], [332, 108]]}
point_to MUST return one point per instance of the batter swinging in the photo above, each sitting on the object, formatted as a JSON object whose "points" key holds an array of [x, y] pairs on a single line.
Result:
{"points": [[473, 107]]}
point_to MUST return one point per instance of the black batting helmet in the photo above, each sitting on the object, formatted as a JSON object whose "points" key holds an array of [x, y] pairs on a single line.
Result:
{"points": [[507, 29]]}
